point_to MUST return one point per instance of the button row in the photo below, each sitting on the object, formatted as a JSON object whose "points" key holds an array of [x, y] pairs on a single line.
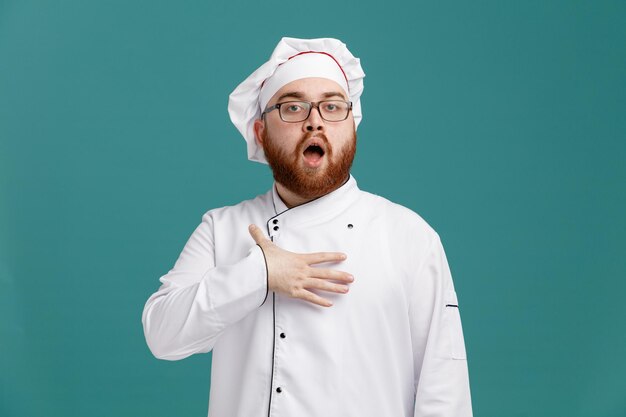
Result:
{"points": [[279, 389]]}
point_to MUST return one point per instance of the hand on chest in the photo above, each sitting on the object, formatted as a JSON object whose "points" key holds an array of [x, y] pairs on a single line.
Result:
{"points": [[378, 282]]}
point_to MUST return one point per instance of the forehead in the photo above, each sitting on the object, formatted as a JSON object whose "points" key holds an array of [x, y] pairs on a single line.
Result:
{"points": [[311, 89]]}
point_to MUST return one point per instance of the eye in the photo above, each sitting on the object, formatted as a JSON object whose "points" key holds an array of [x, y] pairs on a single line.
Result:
{"points": [[293, 107], [331, 107], [334, 106]]}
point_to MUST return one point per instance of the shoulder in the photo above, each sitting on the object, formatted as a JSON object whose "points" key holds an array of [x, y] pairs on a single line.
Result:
{"points": [[403, 222], [245, 209]]}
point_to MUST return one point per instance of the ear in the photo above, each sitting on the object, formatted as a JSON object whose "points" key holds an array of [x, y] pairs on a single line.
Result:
{"points": [[259, 128]]}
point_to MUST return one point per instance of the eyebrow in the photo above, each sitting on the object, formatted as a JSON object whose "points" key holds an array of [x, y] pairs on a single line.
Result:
{"points": [[294, 94], [333, 94], [300, 96]]}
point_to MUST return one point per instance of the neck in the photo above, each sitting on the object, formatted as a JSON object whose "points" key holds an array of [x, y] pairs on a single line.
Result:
{"points": [[292, 199]]}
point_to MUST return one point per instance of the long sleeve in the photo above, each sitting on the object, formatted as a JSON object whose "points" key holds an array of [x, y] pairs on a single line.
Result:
{"points": [[198, 300], [442, 380]]}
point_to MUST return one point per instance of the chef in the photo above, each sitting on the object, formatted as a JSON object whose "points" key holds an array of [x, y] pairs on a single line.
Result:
{"points": [[315, 298]]}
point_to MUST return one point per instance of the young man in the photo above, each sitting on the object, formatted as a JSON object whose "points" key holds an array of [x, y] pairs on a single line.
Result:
{"points": [[316, 298]]}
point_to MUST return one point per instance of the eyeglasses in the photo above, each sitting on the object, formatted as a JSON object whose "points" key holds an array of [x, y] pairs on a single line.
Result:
{"points": [[299, 111]]}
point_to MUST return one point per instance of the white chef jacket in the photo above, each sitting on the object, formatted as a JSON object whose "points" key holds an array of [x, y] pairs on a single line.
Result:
{"points": [[392, 346]]}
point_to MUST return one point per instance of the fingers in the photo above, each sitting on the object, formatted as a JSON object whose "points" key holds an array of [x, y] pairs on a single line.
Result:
{"points": [[331, 274], [320, 284], [314, 298], [257, 234], [319, 257]]}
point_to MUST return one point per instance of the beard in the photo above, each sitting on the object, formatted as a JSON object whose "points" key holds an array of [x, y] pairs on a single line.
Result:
{"points": [[304, 181]]}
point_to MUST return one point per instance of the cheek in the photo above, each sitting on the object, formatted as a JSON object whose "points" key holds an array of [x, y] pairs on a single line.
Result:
{"points": [[344, 134], [286, 132], [282, 140]]}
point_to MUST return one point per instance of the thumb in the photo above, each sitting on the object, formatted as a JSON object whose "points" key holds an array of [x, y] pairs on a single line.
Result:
{"points": [[257, 234]]}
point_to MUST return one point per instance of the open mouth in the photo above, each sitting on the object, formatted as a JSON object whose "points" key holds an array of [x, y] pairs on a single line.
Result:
{"points": [[313, 155]]}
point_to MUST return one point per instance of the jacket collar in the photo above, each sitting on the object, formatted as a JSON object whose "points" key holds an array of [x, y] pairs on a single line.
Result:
{"points": [[315, 211]]}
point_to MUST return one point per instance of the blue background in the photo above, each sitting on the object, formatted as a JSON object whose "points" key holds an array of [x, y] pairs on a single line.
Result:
{"points": [[502, 123]]}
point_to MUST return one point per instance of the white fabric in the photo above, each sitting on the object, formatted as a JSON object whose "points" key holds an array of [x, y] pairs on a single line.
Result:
{"points": [[244, 105], [392, 346], [302, 66]]}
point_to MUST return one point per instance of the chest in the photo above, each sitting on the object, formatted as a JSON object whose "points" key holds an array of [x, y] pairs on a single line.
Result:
{"points": [[370, 249]]}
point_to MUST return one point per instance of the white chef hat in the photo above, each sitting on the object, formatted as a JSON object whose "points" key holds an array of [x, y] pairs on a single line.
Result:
{"points": [[292, 60]]}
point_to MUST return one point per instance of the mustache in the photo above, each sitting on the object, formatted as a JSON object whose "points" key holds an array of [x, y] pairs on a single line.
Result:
{"points": [[308, 136]]}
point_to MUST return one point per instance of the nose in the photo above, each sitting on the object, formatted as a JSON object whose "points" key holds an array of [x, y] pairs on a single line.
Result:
{"points": [[314, 121]]}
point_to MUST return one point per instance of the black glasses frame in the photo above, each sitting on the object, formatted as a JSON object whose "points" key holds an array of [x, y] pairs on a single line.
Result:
{"points": [[311, 104]]}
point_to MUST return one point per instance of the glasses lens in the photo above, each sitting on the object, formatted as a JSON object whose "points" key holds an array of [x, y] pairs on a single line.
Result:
{"points": [[294, 111], [334, 110]]}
